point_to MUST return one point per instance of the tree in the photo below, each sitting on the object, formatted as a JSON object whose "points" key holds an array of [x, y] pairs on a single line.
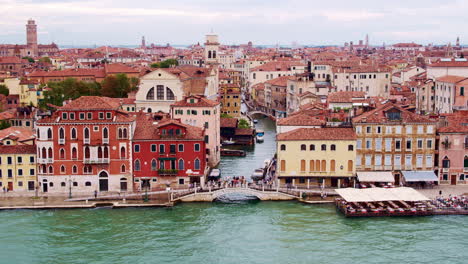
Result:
{"points": [[4, 90], [45, 59], [68, 89], [243, 124], [117, 86], [31, 60], [4, 124], [224, 115], [165, 64]]}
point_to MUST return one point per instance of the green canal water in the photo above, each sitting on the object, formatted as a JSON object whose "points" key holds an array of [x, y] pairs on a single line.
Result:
{"points": [[241, 232]]}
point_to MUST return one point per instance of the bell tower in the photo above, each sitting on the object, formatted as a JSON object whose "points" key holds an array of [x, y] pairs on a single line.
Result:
{"points": [[31, 37], [211, 49]]}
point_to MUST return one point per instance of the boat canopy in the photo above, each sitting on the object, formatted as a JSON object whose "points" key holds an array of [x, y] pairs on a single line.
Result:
{"points": [[381, 194], [375, 176]]}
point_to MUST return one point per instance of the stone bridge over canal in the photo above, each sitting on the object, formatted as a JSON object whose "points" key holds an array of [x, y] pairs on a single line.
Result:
{"points": [[211, 195]]}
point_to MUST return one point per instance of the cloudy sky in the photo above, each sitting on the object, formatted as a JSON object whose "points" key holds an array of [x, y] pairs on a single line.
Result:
{"points": [[100, 22]]}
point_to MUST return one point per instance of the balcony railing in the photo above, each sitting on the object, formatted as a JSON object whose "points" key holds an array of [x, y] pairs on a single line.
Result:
{"points": [[86, 141], [105, 141], [61, 141], [167, 172], [378, 167], [388, 167], [445, 169], [96, 161], [465, 169], [45, 161]]}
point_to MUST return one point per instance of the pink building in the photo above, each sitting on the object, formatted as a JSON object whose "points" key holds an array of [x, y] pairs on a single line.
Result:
{"points": [[453, 149]]}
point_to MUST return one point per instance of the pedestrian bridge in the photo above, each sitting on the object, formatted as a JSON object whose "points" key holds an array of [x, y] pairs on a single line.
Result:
{"points": [[211, 195]]}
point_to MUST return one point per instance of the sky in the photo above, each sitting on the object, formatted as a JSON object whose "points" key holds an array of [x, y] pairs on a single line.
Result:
{"points": [[268, 22]]}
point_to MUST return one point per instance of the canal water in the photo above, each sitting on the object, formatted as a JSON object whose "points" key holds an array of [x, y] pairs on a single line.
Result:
{"points": [[242, 232], [255, 155]]}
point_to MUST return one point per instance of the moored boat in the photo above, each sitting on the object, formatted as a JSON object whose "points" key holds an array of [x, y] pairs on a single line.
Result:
{"points": [[260, 136], [257, 174]]}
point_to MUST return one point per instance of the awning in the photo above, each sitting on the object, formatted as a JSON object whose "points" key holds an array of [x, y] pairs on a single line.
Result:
{"points": [[163, 158], [419, 176], [381, 194], [375, 176]]}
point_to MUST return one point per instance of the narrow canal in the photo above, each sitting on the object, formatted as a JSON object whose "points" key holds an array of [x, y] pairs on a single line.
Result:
{"points": [[255, 155]]}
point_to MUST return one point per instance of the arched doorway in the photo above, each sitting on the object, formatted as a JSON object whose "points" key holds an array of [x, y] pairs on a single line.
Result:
{"points": [[44, 185], [123, 184], [103, 181]]}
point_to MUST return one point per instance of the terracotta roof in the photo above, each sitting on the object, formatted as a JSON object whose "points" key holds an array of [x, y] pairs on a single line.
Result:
{"points": [[451, 79], [280, 81], [378, 115], [97, 73], [92, 103], [300, 120], [278, 66], [345, 96], [244, 132], [18, 149], [201, 101], [457, 122], [22, 134], [147, 128], [451, 63], [119, 68], [228, 122], [326, 133]]}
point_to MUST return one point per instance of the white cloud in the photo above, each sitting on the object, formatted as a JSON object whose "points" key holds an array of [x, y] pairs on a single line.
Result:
{"points": [[349, 16]]}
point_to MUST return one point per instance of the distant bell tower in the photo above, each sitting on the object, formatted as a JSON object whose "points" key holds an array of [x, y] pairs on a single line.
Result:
{"points": [[143, 43], [211, 49], [367, 41], [31, 38], [458, 41]]}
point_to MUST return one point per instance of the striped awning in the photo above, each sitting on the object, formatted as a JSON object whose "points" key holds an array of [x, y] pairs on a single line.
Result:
{"points": [[419, 176]]}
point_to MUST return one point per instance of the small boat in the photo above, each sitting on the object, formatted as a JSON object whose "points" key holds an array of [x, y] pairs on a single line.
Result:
{"points": [[228, 142], [260, 136], [257, 174], [255, 121], [232, 152], [215, 174]]}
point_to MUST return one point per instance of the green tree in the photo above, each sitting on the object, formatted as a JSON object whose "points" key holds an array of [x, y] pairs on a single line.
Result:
{"points": [[68, 89], [116, 86], [165, 64], [224, 115], [243, 124], [31, 60], [4, 124], [45, 59], [4, 90]]}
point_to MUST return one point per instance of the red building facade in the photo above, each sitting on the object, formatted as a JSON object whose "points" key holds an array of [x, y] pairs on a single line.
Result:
{"points": [[167, 153], [85, 145]]}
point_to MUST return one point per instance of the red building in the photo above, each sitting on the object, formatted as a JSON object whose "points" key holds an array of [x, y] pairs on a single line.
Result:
{"points": [[85, 145], [167, 152]]}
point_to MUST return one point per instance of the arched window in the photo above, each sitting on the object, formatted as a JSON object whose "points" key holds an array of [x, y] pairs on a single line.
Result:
{"points": [[74, 169], [465, 162], [49, 134], [106, 152], [122, 168], [181, 164], [125, 133], [332, 165], [137, 165], [153, 165], [283, 147], [324, 147], [169, 94], [120, 133], [87, 169], [86, 132], [50, 153], [61, 133], [62, 169], [303, 147], [312, 147], [209, 54], [99, 153], [74, 153], [446, 162], [44, 153], [51, 169], [312, 165], [303, 165], [87, 152], [38, 133], [150, 94], [323, 166], [283, 166], [43, 169], [350, 147], [317, 165], [62, 153], [197, 164], [333, 147], [73, 133], [122, 152], [350, 165], [214, 54], [105, 133]]}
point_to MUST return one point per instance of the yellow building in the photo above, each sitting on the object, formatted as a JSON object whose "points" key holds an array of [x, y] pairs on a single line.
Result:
{"points": [[30, 94], [17, 160], [230, 99], [317, 156]]}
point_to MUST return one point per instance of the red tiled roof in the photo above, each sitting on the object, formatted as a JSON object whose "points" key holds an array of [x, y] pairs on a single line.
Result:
{"points": [[201, 101], [280, 81], [378, 115], [326, 133], [18, 149], [345, 96], [244, 132], [228, 122], [278, 66], [451, 79], [300, 120], [21, 133], [92, 103], [456, 123], [451, 63], [146, 128], [119, 68]]}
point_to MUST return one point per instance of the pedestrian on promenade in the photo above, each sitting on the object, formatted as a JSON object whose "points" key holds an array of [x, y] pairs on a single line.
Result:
{"points": [[95, 194]]}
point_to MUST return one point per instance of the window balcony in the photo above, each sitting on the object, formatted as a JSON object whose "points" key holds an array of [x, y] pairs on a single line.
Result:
{"points": [[45, 161], [397, 167], [105, 141], [408, 167], [86, 141], [61, 141], [465, 169], [96, 161], [163, 172], [445, 169], [377, 167], [388, 167]]}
